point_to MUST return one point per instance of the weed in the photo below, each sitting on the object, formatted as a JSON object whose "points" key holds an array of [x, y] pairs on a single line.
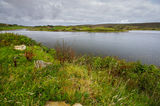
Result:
{"points": [[64, 53], [29, 55]]}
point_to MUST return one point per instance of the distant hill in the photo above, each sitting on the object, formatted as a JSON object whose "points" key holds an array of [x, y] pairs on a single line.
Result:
{"points": [[3, 24], [151, 25], [99, 27], [130, 26]]}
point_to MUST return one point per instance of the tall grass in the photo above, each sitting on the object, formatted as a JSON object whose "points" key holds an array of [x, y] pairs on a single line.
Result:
{"points": [[64, 53], [143, 78], [91, 81]]}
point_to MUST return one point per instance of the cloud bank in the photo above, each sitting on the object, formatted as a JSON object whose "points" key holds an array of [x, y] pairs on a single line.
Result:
{"points": [[66, 12]]}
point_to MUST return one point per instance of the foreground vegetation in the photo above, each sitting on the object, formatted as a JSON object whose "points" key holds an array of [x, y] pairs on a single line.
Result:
{"points": [[85, 79]]}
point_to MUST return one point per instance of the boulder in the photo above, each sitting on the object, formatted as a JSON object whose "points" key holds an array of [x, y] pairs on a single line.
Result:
{"points": [[50, 103], [77, 104], [20, 47], [41, 64]]}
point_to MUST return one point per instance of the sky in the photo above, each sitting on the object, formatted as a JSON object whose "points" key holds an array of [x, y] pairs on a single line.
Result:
{"points": [[73, 12]]}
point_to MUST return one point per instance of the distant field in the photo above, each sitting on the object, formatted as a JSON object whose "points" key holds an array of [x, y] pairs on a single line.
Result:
{"points": [[87, 28], [10, 27]]}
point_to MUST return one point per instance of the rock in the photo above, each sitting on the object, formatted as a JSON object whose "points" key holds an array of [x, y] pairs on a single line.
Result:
{"points": [[41, 64], [77, 104], [50, 103], [20, 47]]}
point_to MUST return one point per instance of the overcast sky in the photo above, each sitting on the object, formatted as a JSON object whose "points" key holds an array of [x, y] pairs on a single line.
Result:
{"points": [[66, 12]]}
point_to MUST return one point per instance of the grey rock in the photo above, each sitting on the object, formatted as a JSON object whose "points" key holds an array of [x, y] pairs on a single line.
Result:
{"points": [[20, 47], [41, 64]]}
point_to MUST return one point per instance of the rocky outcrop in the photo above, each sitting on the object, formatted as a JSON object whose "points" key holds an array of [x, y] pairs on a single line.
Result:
{"points": [[41, 64], [77, 104], [50, 103], [20, 47]]}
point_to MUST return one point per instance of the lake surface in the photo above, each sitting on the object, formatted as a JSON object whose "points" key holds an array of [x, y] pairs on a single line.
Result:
{"points": [[131, 46]]}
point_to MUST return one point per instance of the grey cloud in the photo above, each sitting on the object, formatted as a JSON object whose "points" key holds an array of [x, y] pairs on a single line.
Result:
{"points": [[35, 9], [28, 10], [37, 12]]}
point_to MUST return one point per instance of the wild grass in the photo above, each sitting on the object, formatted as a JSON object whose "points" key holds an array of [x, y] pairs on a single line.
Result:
{"points": [[91, 81], [4, 27], [9, 39], [64, 53]]}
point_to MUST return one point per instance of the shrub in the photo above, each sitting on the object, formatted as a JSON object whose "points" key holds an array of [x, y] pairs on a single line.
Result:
{"points": [[8, 39], [29, 55], [64, 53]]}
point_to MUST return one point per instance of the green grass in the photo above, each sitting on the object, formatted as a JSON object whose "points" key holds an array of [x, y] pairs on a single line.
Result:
{"points": [[11, 28], [87, 28], [86, 80], [4, 27], [97, 28], [75, 29]]}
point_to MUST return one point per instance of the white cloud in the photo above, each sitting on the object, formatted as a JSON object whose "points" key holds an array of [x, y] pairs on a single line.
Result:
{"points": [[36, 12]]}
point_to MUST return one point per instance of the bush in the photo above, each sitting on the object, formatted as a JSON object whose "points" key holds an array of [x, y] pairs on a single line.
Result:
{"points": [[8, 39]]}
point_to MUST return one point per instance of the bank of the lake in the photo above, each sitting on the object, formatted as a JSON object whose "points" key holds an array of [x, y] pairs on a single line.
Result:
{"points": [[86, 80], [131, 46], [4, 27]]}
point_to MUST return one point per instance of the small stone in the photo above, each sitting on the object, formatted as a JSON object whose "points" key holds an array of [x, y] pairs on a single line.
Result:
{"points": [[77, 104], [41, 64], [50, 103], [20, 47]]}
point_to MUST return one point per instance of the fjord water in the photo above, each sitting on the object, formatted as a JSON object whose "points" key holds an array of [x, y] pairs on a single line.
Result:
{"points": [[131, 46]]}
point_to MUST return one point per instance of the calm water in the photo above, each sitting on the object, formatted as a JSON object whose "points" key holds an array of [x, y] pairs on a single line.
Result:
{"points": [[132, 46]]}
